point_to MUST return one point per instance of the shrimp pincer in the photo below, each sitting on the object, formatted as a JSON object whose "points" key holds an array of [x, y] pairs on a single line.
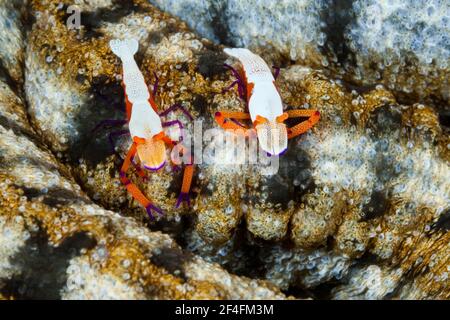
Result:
{"points": [[256, 86]]}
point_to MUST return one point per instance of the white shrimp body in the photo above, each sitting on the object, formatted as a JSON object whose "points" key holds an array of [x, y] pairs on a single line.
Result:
{"points": [[264, 100], [144, 121]]}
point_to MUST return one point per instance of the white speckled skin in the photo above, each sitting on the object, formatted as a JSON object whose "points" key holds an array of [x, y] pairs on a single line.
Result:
{"points": [[144, 122]]}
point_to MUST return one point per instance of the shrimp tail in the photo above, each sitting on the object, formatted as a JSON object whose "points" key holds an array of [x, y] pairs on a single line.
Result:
{"points": [[124, 48]]}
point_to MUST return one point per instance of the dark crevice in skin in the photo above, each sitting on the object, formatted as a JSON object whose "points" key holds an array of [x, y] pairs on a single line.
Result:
{"points": [[19, 130], [24, 26], [52, 197], [383, 122], [322, 291], [41, 269], [172, 260], [6, 77], [367, 259], [250, 249], [106, 103], [293, 178], [360, 89], [443, 223], [377, 206], [37, 163], [92, 20], [219, 23], [210, 63], [385, 119], [338, 15], [154, 37], [407, 278], [280, 187], [444, 119], [200, 104], [173, 228]]}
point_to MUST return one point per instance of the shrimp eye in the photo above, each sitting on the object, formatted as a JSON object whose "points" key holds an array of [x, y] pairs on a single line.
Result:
{"points": [[152, 154]]}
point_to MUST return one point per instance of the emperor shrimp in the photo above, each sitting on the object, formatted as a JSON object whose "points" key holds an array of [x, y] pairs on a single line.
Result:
{"points": [[256, 86], [149, 141]]}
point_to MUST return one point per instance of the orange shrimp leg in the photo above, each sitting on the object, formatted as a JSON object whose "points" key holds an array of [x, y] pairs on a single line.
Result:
{"points": [[227, 119], [132, 188], [142, 173], [303, 126], [186, 186]]}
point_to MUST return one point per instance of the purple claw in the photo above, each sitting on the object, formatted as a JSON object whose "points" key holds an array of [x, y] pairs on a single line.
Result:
{"points": [[240, 82], [277, 72], [151, 207], [233, 70], [175, 122], [236, 82], [155, 86], [183, 197], [176, 168], [175, 107]]}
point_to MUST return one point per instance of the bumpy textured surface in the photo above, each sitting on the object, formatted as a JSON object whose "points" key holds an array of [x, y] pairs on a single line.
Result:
{"points": [[12, 30], [403, 44], [359, 207], [56, 243]]}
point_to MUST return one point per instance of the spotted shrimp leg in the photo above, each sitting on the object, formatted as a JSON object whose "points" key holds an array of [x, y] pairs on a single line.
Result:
{"points": [[111, 138], [229, 119], [186, 186]]}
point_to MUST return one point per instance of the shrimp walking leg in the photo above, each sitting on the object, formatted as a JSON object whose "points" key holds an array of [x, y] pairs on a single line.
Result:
{"points": [[175, 107], [226, 119], [132, 188], [312, 115]]}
